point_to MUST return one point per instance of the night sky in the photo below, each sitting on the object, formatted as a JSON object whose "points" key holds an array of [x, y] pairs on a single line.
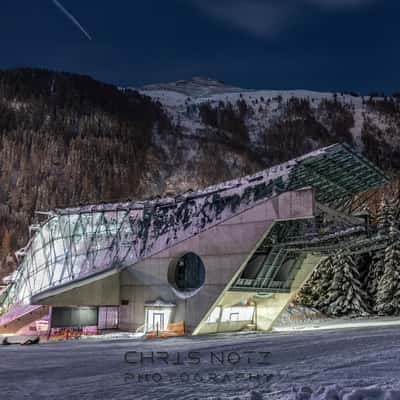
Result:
{"points": [[350, 45]]}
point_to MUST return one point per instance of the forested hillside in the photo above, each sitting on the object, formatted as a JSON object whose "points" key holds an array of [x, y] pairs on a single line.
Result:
{"points": [[67, 139]]}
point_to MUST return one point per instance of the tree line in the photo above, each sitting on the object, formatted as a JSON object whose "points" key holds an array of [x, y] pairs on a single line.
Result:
{"points": [[361, 285]]}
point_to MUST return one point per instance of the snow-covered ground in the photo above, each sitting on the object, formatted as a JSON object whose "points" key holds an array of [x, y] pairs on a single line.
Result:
{"points": [[337, 323], [301, 318], [181, 100], [346, 364]]}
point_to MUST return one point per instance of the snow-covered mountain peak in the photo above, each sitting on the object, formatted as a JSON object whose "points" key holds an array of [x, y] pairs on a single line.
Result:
{"points": [[274, 125], [190, 103], [195, 87]]}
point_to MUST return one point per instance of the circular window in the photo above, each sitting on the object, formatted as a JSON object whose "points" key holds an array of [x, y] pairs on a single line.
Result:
{"points": [[187, 273]]}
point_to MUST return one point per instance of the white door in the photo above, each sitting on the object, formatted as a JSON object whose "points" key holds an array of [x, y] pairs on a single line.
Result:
{"points": [[158, 321]]}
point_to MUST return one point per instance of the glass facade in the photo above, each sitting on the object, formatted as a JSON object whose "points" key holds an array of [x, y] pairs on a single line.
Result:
{"points": [[72, 246], [76, 243]]}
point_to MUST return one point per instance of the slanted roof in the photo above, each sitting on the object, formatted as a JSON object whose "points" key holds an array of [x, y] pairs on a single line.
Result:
{"points": [[336, 172], [121, 234]]}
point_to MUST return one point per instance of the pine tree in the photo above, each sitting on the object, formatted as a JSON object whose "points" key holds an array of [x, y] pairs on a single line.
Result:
{"points": [[395, 203], [6, 244], [375, 274], [384, 217], [393, 212], [4, 252], [305, 296], [315, 290], [337, 286], [345, 295], [388, 293], [322, 284]]}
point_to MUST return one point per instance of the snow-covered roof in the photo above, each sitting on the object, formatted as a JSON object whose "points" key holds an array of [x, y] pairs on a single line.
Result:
{"points": [[337, 172], [77, 243]]}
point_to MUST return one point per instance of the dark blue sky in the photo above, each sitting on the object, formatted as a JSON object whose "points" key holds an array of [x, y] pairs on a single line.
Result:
{"points": [[271, 44]]}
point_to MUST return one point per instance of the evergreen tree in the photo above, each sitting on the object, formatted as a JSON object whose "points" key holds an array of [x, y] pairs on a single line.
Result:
{"points": [[394, 212], [384, 217], [345, 295], [363, 262], [388, 293], [6, 244], [315, 290], [322, 284], [343, 285], [385, 269], [375, 274]]}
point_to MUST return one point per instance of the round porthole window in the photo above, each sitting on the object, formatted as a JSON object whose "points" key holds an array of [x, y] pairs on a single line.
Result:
{"points": [[187, 273]]}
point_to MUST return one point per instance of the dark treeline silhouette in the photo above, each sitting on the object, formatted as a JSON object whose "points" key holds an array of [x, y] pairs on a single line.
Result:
{"points": [[67, 139]]}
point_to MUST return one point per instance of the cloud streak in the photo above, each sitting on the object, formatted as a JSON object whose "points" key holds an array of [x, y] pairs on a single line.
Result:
{"points": [[72, 18], [267, 18]]}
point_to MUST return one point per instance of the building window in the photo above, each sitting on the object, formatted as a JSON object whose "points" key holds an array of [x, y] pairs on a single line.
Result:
{"points": [[214, 316], [234, 316], [108, 317], [239, 313], [254, 266], [188, 273], [286, 269]]}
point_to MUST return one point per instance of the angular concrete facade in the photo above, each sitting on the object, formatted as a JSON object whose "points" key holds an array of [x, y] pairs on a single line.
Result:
{"points": [[224, 250], [228, 258]]}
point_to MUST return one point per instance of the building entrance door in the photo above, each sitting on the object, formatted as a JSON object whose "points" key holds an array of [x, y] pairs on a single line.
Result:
{"points": [[158, 321], [158, 315]]}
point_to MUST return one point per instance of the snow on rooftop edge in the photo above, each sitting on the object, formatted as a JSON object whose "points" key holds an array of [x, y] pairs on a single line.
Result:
{"points": [[276, 171]]}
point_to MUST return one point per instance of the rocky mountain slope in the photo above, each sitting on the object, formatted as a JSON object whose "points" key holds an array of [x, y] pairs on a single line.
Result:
{"points": [[67, 139], [263, 120]]}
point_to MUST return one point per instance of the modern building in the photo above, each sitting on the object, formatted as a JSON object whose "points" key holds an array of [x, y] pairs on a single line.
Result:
{"points": [[226, 258]]}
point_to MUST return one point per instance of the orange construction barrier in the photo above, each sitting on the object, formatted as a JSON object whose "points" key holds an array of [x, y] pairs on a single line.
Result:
{"points": [[173, 330], [64, 334], [177, 327], [58, 336]]}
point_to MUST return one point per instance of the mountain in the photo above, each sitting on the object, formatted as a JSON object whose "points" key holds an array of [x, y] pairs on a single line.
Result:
{"points": [[195, 87], [261, 120], [67, 139]]}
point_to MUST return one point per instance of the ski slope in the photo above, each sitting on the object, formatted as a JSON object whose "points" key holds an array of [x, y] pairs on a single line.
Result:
{"points": [[346, 364]]}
